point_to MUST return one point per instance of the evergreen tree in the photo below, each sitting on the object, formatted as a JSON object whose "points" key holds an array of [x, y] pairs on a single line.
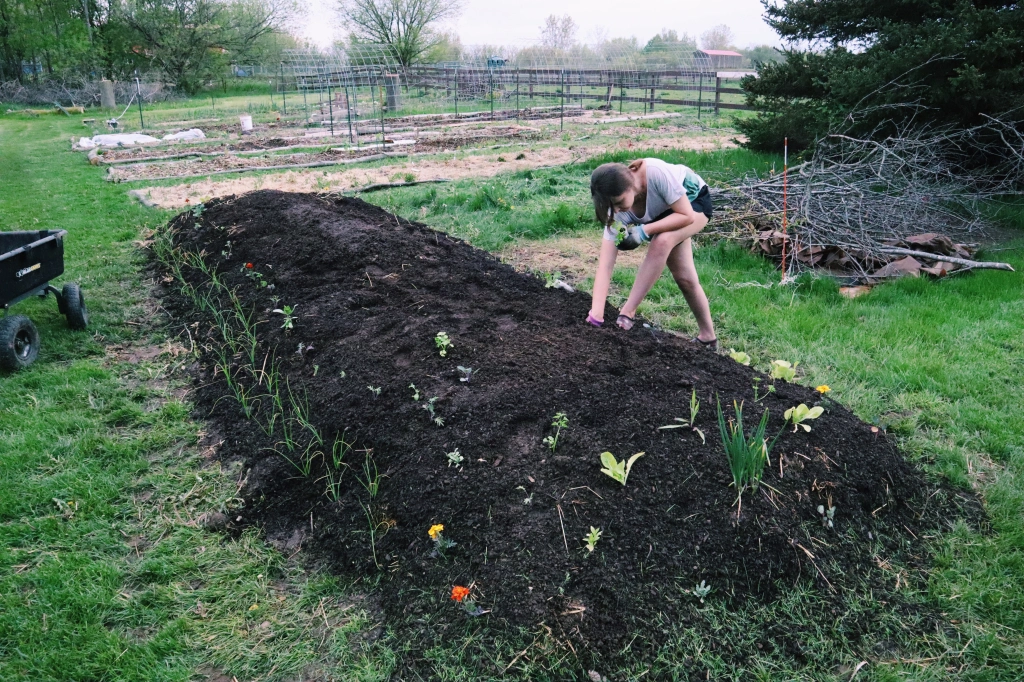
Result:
{"points": [[950, 61]]}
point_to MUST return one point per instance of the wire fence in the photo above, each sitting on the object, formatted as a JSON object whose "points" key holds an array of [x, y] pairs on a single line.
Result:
{"points": [[363, 85]]}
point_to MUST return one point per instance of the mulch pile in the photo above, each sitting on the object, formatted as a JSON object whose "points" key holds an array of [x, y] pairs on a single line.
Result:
{"points": [[371, 291]]}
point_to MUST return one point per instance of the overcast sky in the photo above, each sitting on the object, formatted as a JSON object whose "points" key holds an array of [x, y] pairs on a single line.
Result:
{"points": [[501, 22]]}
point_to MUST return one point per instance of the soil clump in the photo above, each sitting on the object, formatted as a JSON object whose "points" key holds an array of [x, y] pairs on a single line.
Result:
{"points": [[370, 292]]}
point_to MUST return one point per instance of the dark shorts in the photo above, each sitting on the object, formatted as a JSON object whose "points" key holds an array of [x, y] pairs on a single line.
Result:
{"points": [[703, 202]]}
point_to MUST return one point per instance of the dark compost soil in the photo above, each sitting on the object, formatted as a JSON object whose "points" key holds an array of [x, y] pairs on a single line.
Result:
{"points": [[372, 290]]}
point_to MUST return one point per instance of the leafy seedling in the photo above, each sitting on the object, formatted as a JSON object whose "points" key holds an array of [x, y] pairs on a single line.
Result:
{"points": [[375, 390], [827, 515], [694, 409], [454, 457], [782, 369], [467, 373], [434, 417], [551, 279], [591, 539], [701, 591], [616, 469], [739, 356], [289, 316], [415, 392], [441, 543], [559, 422], [443, 343], [801, 413]]}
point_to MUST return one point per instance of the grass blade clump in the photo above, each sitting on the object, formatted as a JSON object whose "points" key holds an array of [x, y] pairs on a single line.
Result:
{"points": [[747, 454]]}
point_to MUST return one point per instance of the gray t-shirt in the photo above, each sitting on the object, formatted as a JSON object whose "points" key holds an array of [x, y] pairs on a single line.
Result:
{"points": [[666, 184]]}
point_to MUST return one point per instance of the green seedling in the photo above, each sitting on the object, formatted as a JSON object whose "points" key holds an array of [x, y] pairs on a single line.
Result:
{"points": [[415, 392], [827, 515], [616, 469], [551, 279], [434, 417], [454, 457], [591, 538], [782, 369], [339, 449], [375, 390], [467, 373], [316, 368], [757, 383], [443, 343], [801, 413], [747, 454], [197, 210], [694, 409], [560, 422], [701, 591], [289, 316], [739, 356], [371, 476]]}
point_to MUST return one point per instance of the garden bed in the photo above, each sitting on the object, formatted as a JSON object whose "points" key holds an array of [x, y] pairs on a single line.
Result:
{"points": [[324, 410]]}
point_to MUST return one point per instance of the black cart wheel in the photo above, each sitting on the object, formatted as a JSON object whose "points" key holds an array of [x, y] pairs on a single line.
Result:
{"points": [[19, 342], [74, 306]]}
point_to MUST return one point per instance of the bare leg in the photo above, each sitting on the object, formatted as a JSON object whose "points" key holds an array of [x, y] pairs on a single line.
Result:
{"points": [[650, 270], [680, 263]]}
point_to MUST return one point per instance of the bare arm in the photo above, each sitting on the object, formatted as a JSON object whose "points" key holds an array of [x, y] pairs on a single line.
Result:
{"points": [[682, 218], [603, 278]]}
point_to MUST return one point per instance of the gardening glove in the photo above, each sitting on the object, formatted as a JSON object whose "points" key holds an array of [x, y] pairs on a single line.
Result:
{"points": [[634, 237], [594, 321]]}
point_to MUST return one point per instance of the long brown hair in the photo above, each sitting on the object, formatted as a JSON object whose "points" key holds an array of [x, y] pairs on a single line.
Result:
{"points": [[609, 180]]}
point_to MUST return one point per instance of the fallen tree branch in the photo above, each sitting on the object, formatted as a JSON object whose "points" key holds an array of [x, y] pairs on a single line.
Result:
{"points": [[991, 265]]}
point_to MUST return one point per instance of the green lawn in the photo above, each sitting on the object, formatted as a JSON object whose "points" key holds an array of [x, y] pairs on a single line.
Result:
{"points": [[107, 571]]}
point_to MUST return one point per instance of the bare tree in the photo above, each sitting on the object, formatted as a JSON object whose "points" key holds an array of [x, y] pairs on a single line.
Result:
{"points": [[717, 38], [408, 27], [559, 33]]}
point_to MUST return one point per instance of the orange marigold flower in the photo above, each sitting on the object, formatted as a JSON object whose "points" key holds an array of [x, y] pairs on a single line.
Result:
{"points": [[248, 265], [823, 389], [459, 593], [435, 531]]}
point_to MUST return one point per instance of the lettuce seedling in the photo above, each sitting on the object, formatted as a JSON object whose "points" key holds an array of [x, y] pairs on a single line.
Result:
{"points": [[801, 413], [781, 369], [616, 469], [739, 356], [701, 591], [454, 457]]}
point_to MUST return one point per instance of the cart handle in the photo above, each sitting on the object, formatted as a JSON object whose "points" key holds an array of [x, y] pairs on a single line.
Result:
{"points": [[28, 247]]}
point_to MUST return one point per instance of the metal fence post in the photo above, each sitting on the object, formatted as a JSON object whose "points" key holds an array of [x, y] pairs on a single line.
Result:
{"points": [[561, 112], [700, 94], [718, 92], [456, 92], [348, 107], [490, 87], [330, 105], [517, 93]]}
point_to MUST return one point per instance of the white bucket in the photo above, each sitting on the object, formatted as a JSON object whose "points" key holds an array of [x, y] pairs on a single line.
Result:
{"points": [[246, 121]]}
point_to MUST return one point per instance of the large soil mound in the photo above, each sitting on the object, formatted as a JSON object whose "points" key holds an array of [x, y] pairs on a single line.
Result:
{"points": [[370, 292]]}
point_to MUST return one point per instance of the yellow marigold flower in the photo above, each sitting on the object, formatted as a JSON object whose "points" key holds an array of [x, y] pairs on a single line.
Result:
{"points": [[435, 531], [823, 389]]}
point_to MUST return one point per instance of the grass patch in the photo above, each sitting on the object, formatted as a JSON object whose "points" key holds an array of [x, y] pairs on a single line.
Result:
{"points": [[107, 569]]}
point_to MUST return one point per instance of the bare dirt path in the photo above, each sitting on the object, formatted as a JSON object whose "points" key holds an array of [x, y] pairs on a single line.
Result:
{"points": [[433, 167]]}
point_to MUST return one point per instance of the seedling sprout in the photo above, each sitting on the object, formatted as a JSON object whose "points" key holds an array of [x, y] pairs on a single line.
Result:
{"points": [[616, 469]]}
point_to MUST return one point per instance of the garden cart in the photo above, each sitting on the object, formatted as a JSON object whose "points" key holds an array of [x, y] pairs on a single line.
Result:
{"points": [[28, 262]]}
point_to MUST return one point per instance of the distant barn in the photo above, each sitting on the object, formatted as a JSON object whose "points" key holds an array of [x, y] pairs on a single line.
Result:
{"points": [[721, 59]]}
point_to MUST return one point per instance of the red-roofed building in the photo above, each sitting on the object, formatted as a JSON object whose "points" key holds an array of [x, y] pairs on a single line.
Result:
{"points": [[721, 59]]}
